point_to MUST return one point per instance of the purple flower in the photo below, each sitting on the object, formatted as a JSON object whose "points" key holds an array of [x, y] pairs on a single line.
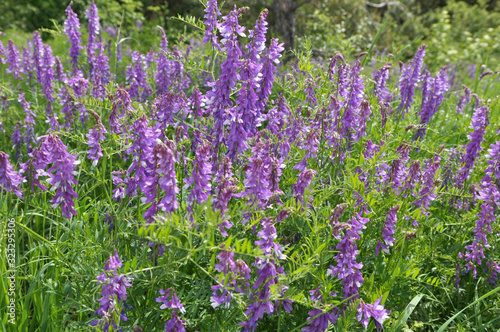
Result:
{"points": [[95, 135], [225, 190], [167, 106], [9, 178], [100, 74], [131, 75], [318, 319], [493, 160], [267, 235], [493, 269], [464, 100], [141, 149], [29, 120], [38, 56], [490, 195], [354, 99], [170, 300], [218, 98], [211, 23], [256, 310], [363, 118], [310, 144], [196, 103], [92, 15], [341, 69], [121, 181], [242, 118], [409, 79], [478, 125], [375, 311], [276, 167], [257, 176], [60, 75], [271, 58], [227, 266], [427, 189], [381, 91], [61, 174], [113, 263], [71, 28], [164, 67], [27, 66], [258, 43], [35, 166], [235, 278], [277, 117], [432, 97], [13, 60], [3, 53], [48, 73], [371, 149], [388, 231], [71, 106], [202, 171], [137, 78], [68, 106], [246, 108], [175, 324], [310, 98], [167, 182], [412, 178], [347, 269], [53, 152], [398, 175], [114, 295], [267, 276], [303, 182], [121, 103]]}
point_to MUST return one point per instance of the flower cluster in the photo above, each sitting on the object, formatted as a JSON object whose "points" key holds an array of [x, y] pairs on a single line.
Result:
{"points": [[202, 171], [347, 268], [408, 80], [268, 274], [375, 311], [72, 30], [13, 60], [161, 178], [489, 195], [52, 151], [433, 91], [9, 178], [478, 125], [235, 276], [171, 301], [388, 231], [114, 295], [95, 135]]}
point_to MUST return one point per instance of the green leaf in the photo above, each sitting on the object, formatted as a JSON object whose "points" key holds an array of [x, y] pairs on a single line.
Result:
{"points": [[403, 317]]}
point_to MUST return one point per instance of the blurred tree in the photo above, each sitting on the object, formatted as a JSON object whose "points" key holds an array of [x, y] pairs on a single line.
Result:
{"points": [[283, 17]]}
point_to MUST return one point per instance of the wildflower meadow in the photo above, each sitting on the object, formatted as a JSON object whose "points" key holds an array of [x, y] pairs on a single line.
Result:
{"points": [[219, 183]]}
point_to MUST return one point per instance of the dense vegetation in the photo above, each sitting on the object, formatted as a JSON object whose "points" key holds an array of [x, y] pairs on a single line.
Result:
{"points": [[204, 184]]}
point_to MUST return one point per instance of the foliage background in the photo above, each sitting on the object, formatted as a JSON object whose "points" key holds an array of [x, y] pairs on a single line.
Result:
{"points": [[453, 30]]}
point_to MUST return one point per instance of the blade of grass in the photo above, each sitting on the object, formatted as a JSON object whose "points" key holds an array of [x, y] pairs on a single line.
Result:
{"points": [[377, 36], [449, 321], [403, 317]]}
